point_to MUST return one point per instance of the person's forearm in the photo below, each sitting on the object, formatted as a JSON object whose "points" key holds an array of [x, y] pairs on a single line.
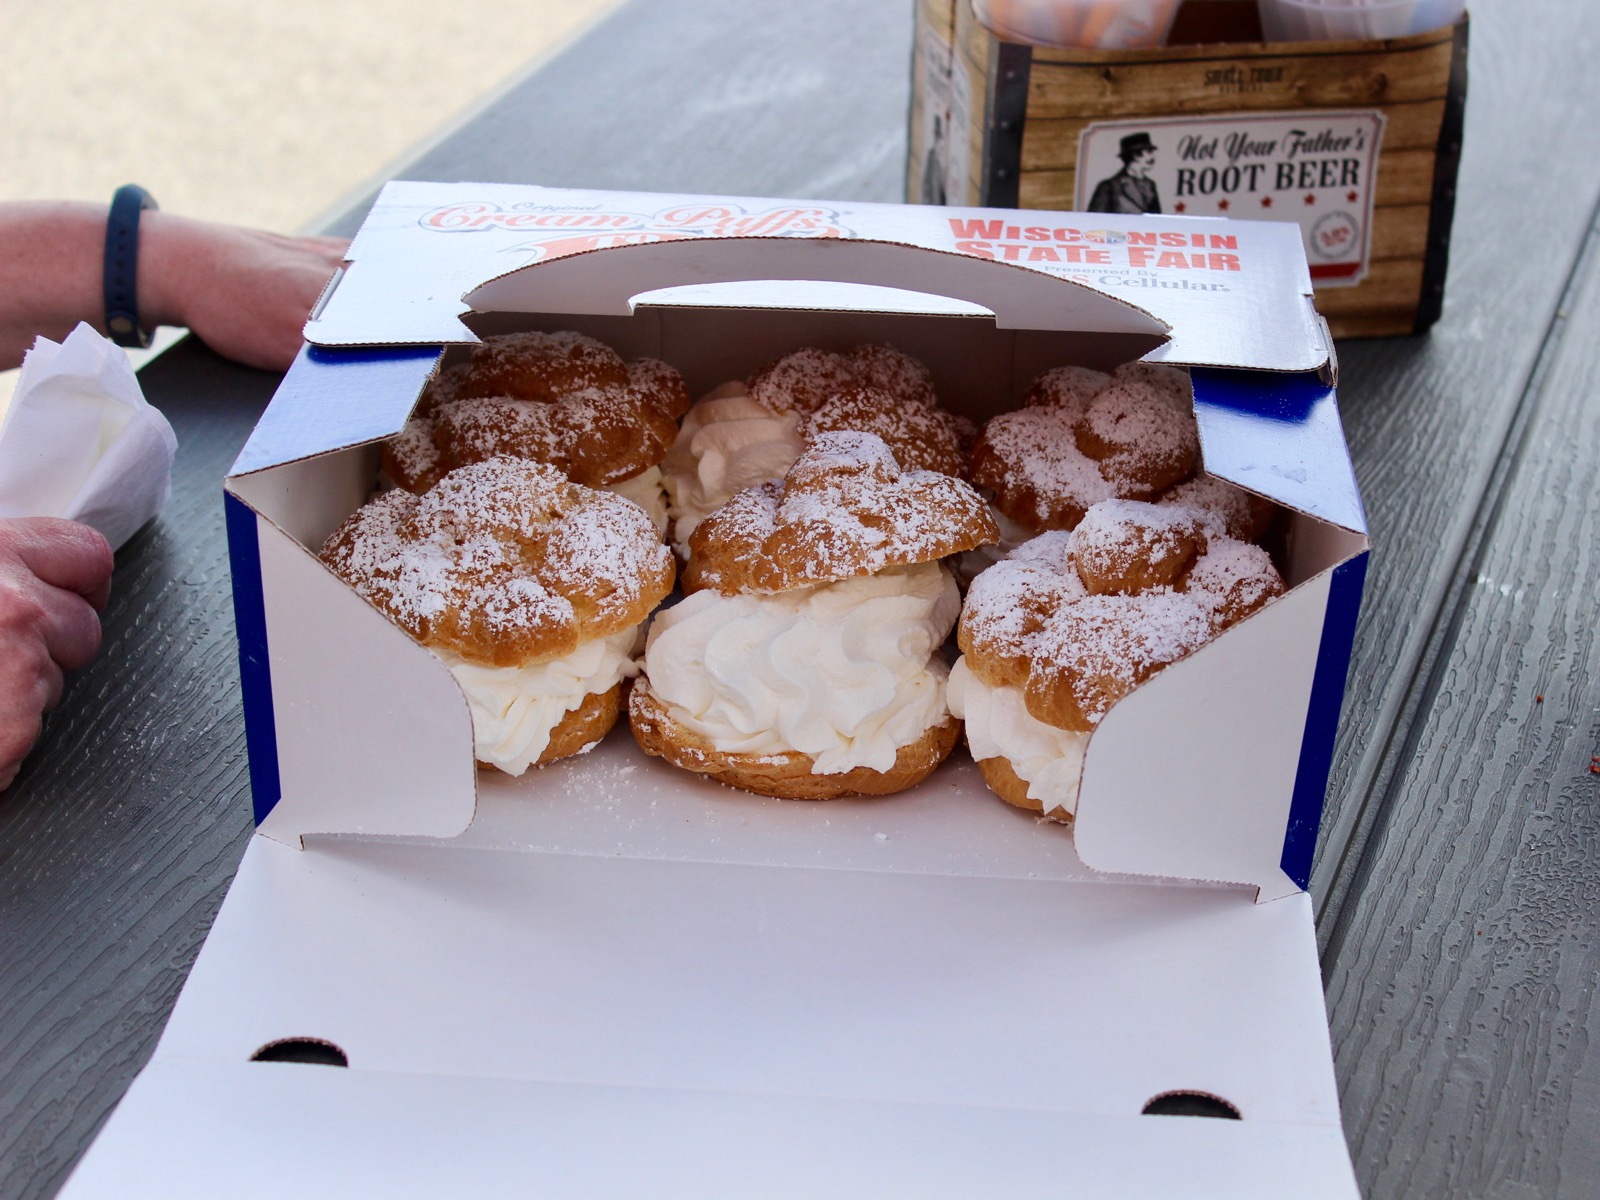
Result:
{"points": [[244, 292], [51, 273]]}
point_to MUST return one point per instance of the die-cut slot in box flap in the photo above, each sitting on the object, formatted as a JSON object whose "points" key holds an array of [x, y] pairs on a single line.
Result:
{"points": [[663, 985]]}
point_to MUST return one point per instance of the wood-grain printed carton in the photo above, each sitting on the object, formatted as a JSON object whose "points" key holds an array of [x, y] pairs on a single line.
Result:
{"points": [[1357, 142], [608, 977]]}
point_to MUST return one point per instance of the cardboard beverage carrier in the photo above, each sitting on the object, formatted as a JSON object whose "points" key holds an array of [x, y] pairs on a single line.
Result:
{"points": [[609, 977], [1355, 141]]}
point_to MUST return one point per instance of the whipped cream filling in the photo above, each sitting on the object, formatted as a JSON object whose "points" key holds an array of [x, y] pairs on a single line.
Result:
{"points": [[648, 490], [728, 442], [1047, 759], [514, 709], [845, 672]]}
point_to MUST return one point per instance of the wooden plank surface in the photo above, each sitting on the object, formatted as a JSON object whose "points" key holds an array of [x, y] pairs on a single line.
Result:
{"points": [[1459, 1055], [120, 835], [1428, 417], [117, 842], [1462, 974]]}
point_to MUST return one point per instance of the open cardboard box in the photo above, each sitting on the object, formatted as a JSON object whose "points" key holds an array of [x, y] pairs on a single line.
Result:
{"points": [[609, 977]]}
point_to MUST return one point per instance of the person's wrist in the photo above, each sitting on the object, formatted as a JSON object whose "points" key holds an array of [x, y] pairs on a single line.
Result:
{"points": [[165, 244]]}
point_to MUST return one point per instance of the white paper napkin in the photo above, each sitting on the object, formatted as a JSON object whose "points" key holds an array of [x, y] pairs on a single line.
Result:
{"points": [[80, 441]]}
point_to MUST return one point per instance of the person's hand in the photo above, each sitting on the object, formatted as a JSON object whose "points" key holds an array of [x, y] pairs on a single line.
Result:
{"points": [[246, 293], [55, 577]]}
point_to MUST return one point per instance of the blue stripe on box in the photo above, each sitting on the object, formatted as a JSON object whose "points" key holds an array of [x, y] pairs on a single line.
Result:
{"points": [[255, 672], [1322, 719]]}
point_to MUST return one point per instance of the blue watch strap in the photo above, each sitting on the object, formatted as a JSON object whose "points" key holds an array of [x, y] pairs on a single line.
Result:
{"points": [[122, 265]]}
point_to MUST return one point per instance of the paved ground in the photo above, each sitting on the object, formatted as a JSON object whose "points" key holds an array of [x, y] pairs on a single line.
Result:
{"points": [[259, 113]]}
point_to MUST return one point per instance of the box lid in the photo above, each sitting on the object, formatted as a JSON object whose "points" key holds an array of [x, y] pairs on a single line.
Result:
{"points": [[1225, 293]]}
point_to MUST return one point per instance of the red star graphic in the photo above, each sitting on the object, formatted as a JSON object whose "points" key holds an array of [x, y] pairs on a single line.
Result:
{"points": [[1180, 206], [1223, 205], [1266, 202], [1352, 196], [1311, 198]]}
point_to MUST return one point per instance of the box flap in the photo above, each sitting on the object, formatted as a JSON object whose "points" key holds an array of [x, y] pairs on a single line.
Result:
{"points": [[1280, 437], [1233, 293], [359, 708], [492, 959], [335, 398], [606, 1026], [1179, 808]]}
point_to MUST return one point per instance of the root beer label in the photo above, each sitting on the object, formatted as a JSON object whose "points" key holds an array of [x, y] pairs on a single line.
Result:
{"points": [[1318, 169]]}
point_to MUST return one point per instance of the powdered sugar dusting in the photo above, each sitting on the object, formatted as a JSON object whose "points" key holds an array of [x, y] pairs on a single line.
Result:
{"points": [[1142, 441], [1066, 387], [1124, 546], [1171, 383], [1041, 478], [504, 561], [559, 431], [1243, 514], [922, 437], [844, 509], [1010, 604], [1081, 618], [1114, 643], [1117, 525], [558, 398], [441, 388], [1231, 580], [410, 459], [540, 366], [1084, 437], [805, 380], [888, 370]]}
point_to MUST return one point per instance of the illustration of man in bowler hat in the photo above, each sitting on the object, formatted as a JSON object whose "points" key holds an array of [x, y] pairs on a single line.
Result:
{"points": [[1130, 190]]}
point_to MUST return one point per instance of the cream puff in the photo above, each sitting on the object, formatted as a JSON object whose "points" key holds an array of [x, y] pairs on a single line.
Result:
{"points": [[805, 659], [745, 433], [1071, 622], [532, 589], [558, 398]]}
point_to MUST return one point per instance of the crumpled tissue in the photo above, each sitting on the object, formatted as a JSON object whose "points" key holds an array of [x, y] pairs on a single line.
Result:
{"points": [[80, 441]]}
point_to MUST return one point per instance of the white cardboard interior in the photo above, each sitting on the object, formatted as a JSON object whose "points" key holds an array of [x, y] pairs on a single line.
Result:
{"points": [[368, 717]]}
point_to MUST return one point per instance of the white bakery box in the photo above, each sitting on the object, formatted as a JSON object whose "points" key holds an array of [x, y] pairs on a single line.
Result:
{"points": [[611, 978]]}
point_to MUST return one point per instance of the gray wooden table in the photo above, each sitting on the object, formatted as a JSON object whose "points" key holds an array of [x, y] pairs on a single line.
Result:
{"points": [[1458, 882]]}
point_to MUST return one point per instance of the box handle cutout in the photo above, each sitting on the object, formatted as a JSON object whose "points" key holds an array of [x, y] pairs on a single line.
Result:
{"points": [[316, 1051], [1018, 296], [1191, 1104]]}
